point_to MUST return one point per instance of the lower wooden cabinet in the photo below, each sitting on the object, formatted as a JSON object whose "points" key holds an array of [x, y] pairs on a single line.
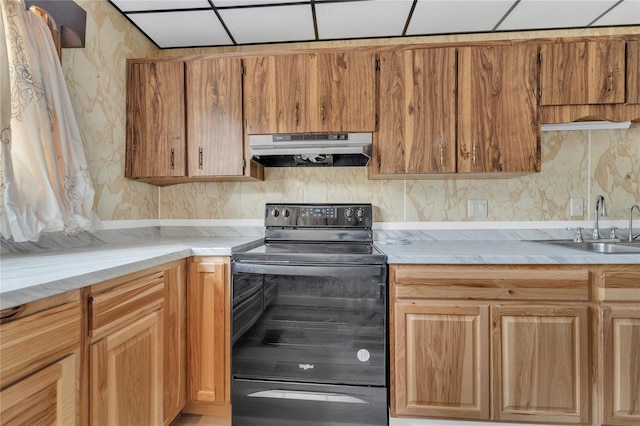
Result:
{"points": [[540, 365], [464, 345], [440, 360], [209, 336], [39, 363]]}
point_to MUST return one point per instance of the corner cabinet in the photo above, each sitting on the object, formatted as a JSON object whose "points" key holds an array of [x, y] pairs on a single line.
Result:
{"points": [[40, 363], [184, 121], [310, 93], [504, 343], [209, 337]]}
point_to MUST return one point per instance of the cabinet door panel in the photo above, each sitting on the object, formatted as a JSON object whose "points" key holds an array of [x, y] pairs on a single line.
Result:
{"points": [[498, 127], [591, 72], [417, 112], [633, 72], [47, 397], [214, 117], [155, 119], [441, 362], [346, 93], [126, 374], [540, 363], [621, 365]]}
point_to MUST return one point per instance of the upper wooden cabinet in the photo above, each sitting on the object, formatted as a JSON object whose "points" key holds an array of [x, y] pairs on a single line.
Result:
{"points": [[633, 72], [155, 120], [587, 72], [417, 112], [184, 121], [310, 92], [498, 129]]}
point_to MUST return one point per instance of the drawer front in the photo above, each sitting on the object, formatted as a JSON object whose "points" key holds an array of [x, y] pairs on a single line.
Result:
{"points": [[120, 305], [619, 284], [35, 341], [495, 282]]}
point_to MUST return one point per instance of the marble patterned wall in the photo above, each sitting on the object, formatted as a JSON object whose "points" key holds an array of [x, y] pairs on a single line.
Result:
{"points": [[568, 171], [96, 77]]}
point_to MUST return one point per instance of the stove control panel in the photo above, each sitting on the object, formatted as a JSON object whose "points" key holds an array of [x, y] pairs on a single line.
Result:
{"points": [[319, 215]]}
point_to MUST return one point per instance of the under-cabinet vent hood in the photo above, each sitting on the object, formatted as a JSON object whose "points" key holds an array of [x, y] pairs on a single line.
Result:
{"points": [[309, 150]]}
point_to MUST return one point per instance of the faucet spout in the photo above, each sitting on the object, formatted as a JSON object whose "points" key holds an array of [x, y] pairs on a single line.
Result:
{"points": [[596, 229], [631, 236]]}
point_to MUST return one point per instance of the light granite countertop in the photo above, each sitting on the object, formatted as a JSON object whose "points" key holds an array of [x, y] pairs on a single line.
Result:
{"points": [[25, 277]]}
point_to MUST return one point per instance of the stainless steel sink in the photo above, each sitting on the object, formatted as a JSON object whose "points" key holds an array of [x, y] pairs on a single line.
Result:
{"points": [[599, 246]]}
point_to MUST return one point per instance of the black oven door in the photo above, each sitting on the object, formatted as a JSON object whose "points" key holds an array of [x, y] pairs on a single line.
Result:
{"points": [[322, 324]]}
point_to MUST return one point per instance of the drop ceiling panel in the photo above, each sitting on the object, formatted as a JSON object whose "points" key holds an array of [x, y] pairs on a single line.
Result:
{"points": [[182, 29], [137, 5], [538, 14], [228, 3], [347, 20], [269, 24], [444, 17], [626, 13]]}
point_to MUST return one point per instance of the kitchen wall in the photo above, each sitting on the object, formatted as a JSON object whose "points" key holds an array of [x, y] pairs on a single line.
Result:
{"points": [[96, 79]]}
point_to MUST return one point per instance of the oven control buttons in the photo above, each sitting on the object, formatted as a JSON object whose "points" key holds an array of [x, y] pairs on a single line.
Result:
{"points": [[363, 355], [285, 213], [348, 213], [275, 213], [360, 213]]}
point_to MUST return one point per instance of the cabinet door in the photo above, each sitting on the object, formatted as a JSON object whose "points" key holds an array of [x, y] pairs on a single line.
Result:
{"points": [[589, 72], [417, 112], [175, 341], [540, 363], [209, 334], [346, 93], [214, 117], [621, 349], [48, 397], [498, 127], [126, 374], [440, 360], [633, 72], [277, 92], [155, 119]]}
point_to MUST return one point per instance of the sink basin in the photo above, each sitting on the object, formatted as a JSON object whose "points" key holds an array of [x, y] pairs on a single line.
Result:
{"points": [[600, 246]]}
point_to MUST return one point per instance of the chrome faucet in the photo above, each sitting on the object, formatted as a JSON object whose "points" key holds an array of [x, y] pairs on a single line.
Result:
{"points": [[631, 236], [596, 229]]}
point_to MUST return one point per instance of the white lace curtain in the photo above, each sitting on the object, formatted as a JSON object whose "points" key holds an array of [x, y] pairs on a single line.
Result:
{"points": [[47, 187]]}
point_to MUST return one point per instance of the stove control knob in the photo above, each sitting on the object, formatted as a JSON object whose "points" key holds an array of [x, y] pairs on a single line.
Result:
{"points": [[275, 213], [348, 213], [360, 213], [285, 213]]}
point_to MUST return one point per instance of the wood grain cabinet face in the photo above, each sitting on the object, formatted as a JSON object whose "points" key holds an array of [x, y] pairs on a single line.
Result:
{"points": [[214, 117], [440, 361], [580, 73], [307, 93], [417, 112], [155, 120], [209, 337], [498, 128], [633, 72], [540, 363]]}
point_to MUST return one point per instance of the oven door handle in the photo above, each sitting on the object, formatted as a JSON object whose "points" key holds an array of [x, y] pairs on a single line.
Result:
{"points": [[307, 396], [339, 271]]}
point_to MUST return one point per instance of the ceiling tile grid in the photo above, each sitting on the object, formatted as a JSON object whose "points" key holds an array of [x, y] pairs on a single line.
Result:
{"points": [[211, 23]]}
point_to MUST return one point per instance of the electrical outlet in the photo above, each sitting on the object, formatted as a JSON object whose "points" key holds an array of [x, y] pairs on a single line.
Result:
{"points": [[477, 208], [577, 207]]}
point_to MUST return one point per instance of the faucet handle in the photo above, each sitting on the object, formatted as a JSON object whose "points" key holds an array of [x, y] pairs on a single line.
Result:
{"points": [[612, 232], [578, 236]]}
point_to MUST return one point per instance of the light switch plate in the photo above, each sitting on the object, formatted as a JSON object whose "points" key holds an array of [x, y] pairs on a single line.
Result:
{"points": [[477, 208]]}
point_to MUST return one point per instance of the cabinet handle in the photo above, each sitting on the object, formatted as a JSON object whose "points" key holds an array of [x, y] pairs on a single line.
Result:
{"points": [[441, 145], [171, 158], [297, 110], [473, 153], [322, 110], [379, 162], [200, 158], [610, 78]]}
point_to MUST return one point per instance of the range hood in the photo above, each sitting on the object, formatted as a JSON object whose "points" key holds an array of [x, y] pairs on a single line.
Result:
{"points": [[311, 150]]}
